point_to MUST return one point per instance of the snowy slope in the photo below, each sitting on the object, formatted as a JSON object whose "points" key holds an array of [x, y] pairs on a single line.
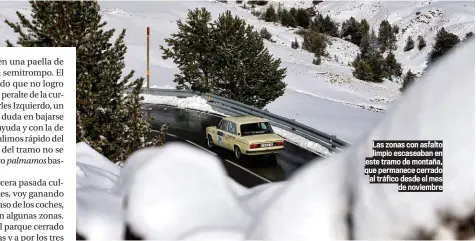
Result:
{"points": [[325, 97], [455, 16], [186, 192]]}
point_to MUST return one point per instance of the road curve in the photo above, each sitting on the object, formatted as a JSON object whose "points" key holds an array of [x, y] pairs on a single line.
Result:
{"points": [[188, 126]]}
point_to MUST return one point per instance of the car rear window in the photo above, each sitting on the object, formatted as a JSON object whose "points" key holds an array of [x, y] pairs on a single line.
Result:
{"points": [[258, 128]]}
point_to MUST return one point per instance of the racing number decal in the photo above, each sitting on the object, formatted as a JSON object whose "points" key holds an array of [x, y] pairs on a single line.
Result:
{"points": [[220, 137]]}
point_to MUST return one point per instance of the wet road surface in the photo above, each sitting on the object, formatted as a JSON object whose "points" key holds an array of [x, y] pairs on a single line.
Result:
{"points": [[189, 126]]}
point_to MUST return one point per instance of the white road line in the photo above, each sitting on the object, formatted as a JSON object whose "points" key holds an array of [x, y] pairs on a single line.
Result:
{"points": [[172, 135], [203, 148], [252, 173]]}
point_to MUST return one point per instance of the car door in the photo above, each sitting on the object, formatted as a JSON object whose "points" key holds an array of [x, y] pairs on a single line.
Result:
{"points": [[230, 136], [222, 127]]}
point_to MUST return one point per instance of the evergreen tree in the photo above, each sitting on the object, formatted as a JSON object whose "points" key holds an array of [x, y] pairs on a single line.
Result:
{"points": [[316, 24], [295, 44], [365, 44], [325, 25], [315, 42], [408, 80], [264, 33], [270, 14], [444, 41], [386, 36], [376, 62], [192, 43], [238, 67], [293, 12], [330, 27], [364, 27], [287, 19], [350, 31], [279, 13], [370, 65], [421, 42], [362, 70], [396, 29], [108, 119], [392, 67], [409, 45], [302, 18], [353, 31], [373, 39]]}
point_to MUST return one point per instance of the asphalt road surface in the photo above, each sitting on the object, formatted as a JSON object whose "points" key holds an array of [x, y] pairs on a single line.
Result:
{"points": [[189, 126]]}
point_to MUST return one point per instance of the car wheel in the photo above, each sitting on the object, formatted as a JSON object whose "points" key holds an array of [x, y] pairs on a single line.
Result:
{"points": [[237, 153], [209, 142]]}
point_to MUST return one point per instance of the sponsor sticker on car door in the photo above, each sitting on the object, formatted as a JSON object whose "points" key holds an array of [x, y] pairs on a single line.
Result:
{"points": [[220, 138]]}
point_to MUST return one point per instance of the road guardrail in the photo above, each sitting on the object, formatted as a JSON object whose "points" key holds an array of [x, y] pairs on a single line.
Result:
{"points": [[231, 107]]}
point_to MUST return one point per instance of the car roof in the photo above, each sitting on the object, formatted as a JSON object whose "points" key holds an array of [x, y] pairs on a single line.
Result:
{"points": [[239, 120]]}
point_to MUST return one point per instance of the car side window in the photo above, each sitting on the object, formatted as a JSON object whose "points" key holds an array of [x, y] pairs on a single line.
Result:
{"points": [[232, 128], [223, 125]]}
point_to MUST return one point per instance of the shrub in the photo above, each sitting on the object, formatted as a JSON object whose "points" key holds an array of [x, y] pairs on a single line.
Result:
{"points": [[270, 14], [264, 33], [444, 41], [409, 45], [421, 42], [295, 44], [408, 80]]}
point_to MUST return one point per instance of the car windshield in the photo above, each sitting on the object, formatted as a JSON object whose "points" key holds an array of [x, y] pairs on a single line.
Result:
{"points": [[258, 128]]}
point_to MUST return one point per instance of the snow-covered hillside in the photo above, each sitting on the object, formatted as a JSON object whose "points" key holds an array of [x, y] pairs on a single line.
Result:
{"points": [[413, 17], [326, 97]]}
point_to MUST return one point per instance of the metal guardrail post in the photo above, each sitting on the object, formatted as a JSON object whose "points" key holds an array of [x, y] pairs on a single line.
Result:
{"points": [[148, 62]]}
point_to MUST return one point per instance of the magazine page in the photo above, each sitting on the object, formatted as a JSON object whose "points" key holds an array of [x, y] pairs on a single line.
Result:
{"points": [[237, 120]]}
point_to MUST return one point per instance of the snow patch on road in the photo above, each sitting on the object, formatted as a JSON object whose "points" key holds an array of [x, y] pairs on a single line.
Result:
{"points": [[194, 102], [302, 142]]}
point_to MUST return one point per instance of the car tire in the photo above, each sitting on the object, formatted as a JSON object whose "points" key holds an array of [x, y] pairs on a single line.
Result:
{"points": [[210, 142], [237, 153]]}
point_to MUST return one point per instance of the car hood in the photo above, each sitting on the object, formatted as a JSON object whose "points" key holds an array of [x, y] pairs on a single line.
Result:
{"points": [[263, 138]]}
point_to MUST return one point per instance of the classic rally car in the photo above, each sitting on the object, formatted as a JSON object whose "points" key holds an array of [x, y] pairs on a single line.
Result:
{"points": [[247, 135]]}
